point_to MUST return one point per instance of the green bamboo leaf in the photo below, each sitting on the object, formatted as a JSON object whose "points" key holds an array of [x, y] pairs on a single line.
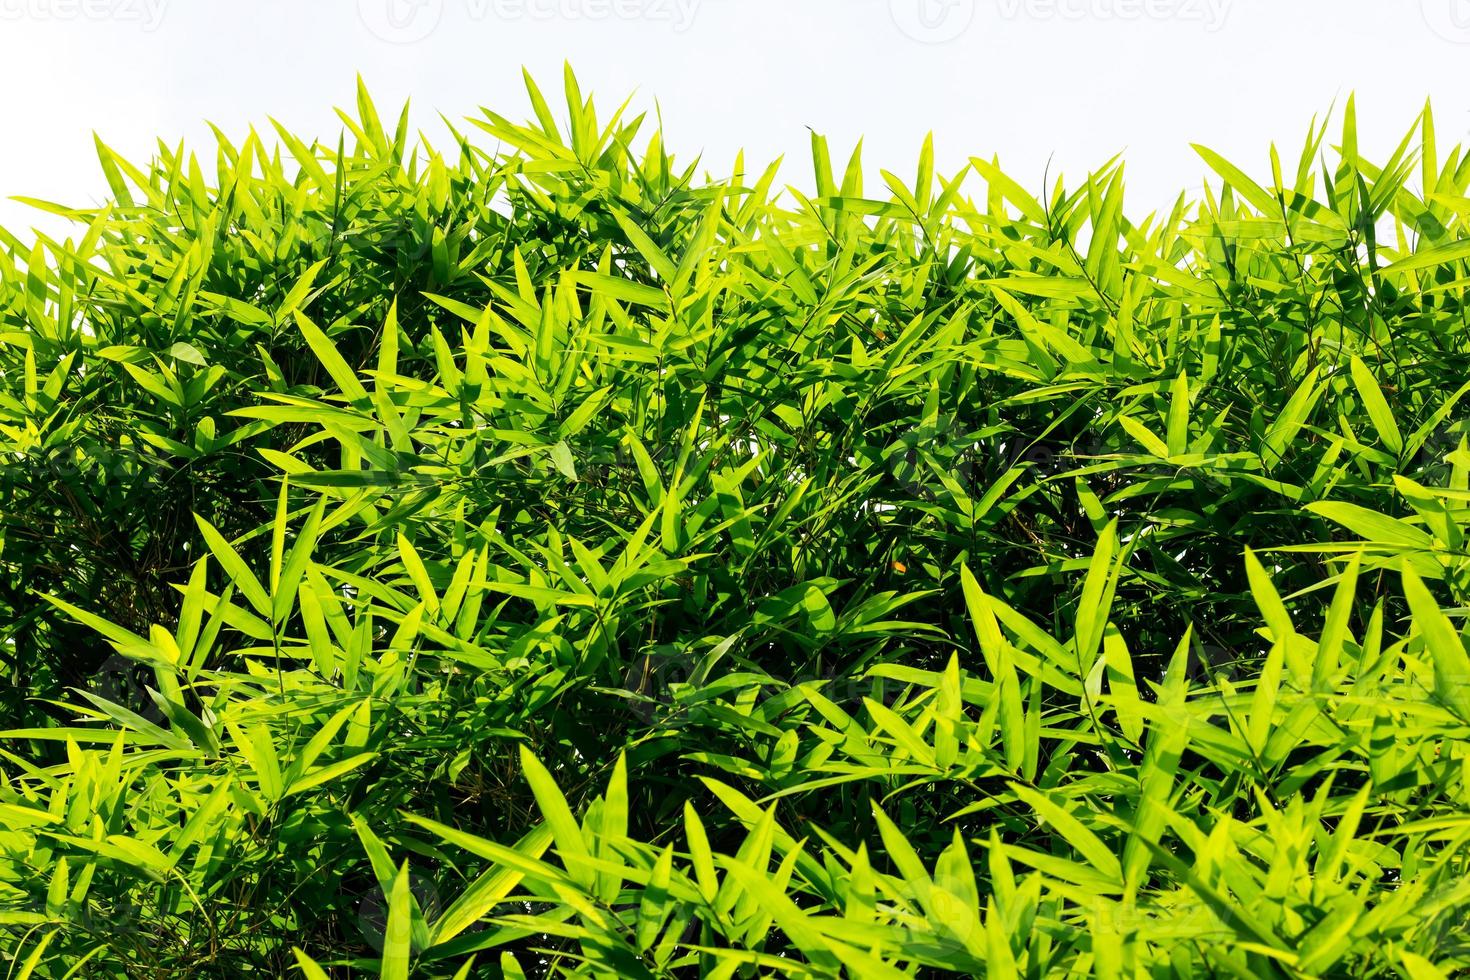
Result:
{"points": [[418, 574], [1258, 196], [1429, 258], [1072, 830], [241, 577], [325, 774], [398, 934], [561, 458], [1150, 442], [1177, 427], [648, 248], [1375, 528], [488, 891], [300, 290], [326, 352], [126, 642], [187, 353], [623, 290], [33, 958], [1286, 425], [570, 844], [1268, 600], [1444, 645], [792, 921], [1377, 407], [308, 966]]}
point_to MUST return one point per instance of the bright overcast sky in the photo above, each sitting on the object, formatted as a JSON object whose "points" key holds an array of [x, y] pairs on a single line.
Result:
{"points": [[1072, 81]]}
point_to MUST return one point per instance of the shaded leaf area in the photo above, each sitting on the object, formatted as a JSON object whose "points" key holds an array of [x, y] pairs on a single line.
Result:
{"points": [[546, 559]]}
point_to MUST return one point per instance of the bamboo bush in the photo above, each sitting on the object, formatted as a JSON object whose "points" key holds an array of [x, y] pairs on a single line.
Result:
{"points": [[548, 559]]}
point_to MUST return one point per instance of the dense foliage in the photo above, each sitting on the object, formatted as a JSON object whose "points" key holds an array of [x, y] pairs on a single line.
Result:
{"points": [[544, 560]]}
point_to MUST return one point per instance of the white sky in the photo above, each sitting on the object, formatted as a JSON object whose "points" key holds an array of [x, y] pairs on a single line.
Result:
{"points": [[1071, 80]]}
